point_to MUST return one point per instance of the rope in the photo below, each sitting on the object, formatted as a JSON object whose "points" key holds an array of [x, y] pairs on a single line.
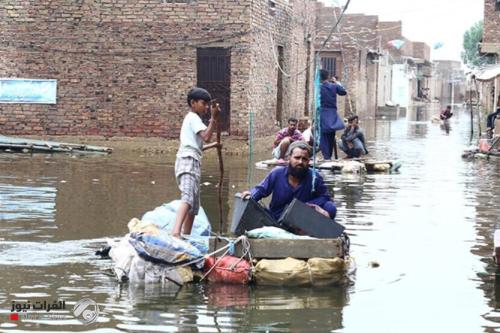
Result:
{"points": [[246, 252], [346, 244]]}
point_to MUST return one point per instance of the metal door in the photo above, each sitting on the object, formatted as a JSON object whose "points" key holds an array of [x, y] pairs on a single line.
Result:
{"points": [[214, 75]]}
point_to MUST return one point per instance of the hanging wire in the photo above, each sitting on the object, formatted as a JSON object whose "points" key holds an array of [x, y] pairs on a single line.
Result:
{"points": [[321, 49], [345, 68], [334, 26]]}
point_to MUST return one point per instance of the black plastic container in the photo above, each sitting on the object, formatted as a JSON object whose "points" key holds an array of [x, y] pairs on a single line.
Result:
{"points": [[248, 215], [300, 218]]}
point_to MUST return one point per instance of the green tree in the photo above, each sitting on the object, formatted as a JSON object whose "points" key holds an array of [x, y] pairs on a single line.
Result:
{"points": [[472, 39]]}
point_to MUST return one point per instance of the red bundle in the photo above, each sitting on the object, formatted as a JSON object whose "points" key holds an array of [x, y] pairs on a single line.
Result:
{"points": [[229, 269]]}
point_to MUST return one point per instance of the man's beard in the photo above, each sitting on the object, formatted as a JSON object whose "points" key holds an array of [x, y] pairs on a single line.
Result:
{"points": [[296, 172]]}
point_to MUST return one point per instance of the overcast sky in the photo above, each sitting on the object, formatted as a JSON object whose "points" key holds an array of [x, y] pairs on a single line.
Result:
{"points": [[429, 21]]}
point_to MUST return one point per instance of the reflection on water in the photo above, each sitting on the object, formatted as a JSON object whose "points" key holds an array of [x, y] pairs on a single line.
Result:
{"points": [[428, 229]]}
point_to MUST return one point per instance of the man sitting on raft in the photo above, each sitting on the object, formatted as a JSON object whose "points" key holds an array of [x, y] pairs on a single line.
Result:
{"points": [[295, 181]]}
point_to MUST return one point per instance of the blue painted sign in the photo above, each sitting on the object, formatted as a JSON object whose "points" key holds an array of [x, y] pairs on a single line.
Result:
{"points": [[28, 91]]}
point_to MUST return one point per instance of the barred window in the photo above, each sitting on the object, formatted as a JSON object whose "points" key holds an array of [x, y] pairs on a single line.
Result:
{"points": [[329, 63]]}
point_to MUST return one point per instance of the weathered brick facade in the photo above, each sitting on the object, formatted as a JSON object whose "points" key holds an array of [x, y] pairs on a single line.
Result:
{"points": [[355, 47], [393, 30], [421, 51], [446, 73], [284, 33], [491, 32], [491, 22], [123, 68]]}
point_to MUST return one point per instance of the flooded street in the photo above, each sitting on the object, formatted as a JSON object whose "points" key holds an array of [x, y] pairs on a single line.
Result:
{"points": [[428, 229]]}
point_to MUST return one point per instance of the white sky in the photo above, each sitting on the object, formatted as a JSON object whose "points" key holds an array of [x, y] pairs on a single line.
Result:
{"points": [[429, 21]]}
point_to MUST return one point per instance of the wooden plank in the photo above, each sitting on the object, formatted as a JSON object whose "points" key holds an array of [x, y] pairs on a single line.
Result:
{"points": [[283, 248], [48, 146]]}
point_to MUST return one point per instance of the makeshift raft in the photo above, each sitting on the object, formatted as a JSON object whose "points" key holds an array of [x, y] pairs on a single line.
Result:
{"points": [[346, 166], [487, 149], [283, 262], [10, 144], [149, 254]]}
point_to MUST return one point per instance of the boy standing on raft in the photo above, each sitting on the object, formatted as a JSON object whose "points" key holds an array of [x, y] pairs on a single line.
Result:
{"points": [[188, 162]]}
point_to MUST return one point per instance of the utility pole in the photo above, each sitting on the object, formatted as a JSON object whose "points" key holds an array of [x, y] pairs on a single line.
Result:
{"points": [[452, 93]]}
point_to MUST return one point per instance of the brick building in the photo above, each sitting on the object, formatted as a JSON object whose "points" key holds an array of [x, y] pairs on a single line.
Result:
{"points": [[352, 56], [412, 67], [490, 46], [491, 30], [448, 84], [123, 67], [422, 59]]}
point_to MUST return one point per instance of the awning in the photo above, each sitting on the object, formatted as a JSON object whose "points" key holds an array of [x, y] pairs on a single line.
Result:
{"points": [[488, 73]]}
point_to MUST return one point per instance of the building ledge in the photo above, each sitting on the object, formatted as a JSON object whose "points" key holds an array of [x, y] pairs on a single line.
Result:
{"points": [[490, 48]]}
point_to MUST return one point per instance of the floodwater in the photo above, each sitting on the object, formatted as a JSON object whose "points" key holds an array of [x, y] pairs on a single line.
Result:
{"points": [[422, 240]]}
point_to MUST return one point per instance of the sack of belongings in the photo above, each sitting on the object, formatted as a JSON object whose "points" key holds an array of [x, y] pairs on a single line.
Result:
{"points": [[294, 272], [227, 269], [165, 249], [129, 266], [150, 254]]}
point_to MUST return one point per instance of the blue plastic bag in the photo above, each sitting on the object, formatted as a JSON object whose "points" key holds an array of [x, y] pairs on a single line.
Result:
{"points": [[164, 217]]}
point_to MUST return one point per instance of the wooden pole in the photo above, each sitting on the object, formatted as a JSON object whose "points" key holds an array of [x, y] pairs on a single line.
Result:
{"points": [[221, 180], [472, 118], [477, 107]]}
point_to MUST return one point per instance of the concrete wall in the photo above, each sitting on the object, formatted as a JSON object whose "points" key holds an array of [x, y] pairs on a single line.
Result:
{"points": [[384, 80], [400, 85]]}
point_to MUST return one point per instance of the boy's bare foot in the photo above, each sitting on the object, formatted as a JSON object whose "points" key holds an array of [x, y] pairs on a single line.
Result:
{"points": [[176, 235]]}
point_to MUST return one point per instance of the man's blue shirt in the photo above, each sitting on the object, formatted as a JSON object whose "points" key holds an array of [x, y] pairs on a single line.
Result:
{"points": [[330, 121], [276, 183]]}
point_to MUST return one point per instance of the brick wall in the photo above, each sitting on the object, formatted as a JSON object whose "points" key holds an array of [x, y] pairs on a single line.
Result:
{"points": [[286, 27], [421, 51], [123, 68], [491, 23], [392, 30]]}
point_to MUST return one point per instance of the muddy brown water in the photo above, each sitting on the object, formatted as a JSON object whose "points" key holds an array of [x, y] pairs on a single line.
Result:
{"points": [[428, 229]]}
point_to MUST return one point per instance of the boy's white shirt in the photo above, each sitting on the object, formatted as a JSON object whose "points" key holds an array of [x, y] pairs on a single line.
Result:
{"points": [[191, 143]]}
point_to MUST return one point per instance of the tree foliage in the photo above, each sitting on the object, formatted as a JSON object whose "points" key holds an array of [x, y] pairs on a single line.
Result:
{"points": [[472, 39]]}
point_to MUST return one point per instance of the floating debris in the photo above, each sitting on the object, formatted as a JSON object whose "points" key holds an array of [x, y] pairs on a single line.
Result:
{"points": [[11, 144]]}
